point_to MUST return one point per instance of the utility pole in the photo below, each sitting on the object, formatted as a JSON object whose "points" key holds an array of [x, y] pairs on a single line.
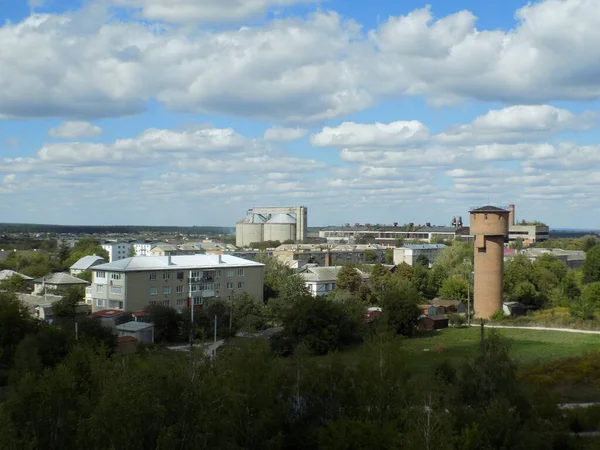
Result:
{"points": [[191, 303], [215, 328], [231, 313]]}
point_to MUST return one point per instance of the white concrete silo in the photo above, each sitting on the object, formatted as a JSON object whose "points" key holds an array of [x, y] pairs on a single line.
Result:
{"points": [[280, 227], [249, 230]]}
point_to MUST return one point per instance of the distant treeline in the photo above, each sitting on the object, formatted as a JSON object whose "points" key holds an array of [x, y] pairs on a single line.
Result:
{"points": [[110, 229], [571, 234]]}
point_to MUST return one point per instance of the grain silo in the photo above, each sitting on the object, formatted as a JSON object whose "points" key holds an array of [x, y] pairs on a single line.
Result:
{"points": [[280, 227], [249, 230]]}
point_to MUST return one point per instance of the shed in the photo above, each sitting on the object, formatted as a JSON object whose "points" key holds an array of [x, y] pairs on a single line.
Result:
{"points": [[373, 312], [143, 332], [432, 310], [451, 306], [108, 317], [433, 322], [126, 345], [515, 308]]}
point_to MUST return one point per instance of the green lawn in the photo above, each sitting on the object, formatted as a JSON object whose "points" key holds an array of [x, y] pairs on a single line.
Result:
{"points": [[528, 347]]}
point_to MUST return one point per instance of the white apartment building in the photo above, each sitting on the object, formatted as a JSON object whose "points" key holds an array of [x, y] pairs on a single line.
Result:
{"points": [[322, 280], [409, 253], [117, 250], [134, 283], [142, 248]]}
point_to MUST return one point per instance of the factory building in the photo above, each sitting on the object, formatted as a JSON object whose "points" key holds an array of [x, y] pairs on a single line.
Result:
{"points": [[489, 225], [529, 233], [272, 224]]}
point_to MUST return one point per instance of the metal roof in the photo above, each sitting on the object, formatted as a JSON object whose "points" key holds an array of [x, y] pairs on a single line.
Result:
{"points": [[282, 218], [326, 273], [134, 327], [140, 263], [423, 246], [60, 278], [489, 208], [6, 274], [88, 261]]}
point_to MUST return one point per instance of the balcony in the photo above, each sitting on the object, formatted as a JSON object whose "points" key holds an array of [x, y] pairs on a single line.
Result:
{"points": [[204, 279]]}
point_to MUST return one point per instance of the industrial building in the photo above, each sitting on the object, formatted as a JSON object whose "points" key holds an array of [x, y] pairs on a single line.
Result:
{"points": [[529, 233], [389, 235], [272, 224], [329, 255], [489, 225], [134, 283]]}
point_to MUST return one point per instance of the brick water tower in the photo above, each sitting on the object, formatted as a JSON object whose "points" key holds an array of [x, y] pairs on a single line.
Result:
{"points": [[489, 225]]}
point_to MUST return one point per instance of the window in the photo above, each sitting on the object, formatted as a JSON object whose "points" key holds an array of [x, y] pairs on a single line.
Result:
{"points": [[115, 289], [240, 285], [153, 275], [181, 301], [152, 303], [217, 285], [240, 272], [229, 273], [229, 285], [166, 276], [99, 289], [153, 291], [218, 273], [166, 302], [196, 274], [115, 276], [100, 274], [167, 290], [180, 275], [197, 301], [179, 289], [99, 302]]}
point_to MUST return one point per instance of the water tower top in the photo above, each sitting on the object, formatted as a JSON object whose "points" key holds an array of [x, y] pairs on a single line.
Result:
{"points": [[489, 220]]}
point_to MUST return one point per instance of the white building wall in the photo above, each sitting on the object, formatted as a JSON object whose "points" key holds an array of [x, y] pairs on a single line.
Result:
{"points": [[117, 250]]}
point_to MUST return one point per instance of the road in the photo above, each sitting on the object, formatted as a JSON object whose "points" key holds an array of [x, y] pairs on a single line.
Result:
{"points": [[566, 330]]}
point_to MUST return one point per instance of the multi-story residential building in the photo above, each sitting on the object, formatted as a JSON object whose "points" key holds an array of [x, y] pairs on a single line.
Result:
{"points": [[143, 247], [410, 252], [117, 250], [134, 283]]}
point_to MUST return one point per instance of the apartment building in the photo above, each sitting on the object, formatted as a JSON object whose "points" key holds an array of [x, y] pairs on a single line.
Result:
{"points": [[117, 250], [134, 283], [330, 255], [410, 252], [322, 280]]}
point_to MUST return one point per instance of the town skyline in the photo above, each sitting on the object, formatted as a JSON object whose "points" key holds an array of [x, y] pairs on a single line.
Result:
{"points": [[128, 112]]}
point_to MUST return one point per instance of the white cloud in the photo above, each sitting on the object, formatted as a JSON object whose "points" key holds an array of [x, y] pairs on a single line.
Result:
{"points": [[75, 130], [351, 134], [204, 11], [281, 134]]}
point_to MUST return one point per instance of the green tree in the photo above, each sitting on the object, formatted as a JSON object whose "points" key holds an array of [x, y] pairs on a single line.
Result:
{"points": [[291, 289], [422, 260], [64, 252], [404, 271], [371, 256], [591, 295], [66, 307], [86, 247], [348, 279], [319, 324], [16, 283], [166, 322], [15, 324], [517, 244], [400, 310], [591, 265], [248, 313], [389, 256], [86, 275], [131, 252], [455, 288]]}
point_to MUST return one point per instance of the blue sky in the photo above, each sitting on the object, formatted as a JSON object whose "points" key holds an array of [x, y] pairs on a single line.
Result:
{"points": [[189, 112]]}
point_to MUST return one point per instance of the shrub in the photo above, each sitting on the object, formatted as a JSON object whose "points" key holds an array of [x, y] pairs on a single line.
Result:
{"points": [[498, 316], [457, 320]]}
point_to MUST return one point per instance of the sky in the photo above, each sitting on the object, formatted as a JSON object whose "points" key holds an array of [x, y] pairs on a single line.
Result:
{"points": [[190, 112]]}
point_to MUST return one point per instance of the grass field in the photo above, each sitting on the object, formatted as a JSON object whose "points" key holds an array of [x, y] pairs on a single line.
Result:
{"points": [[528, 347]]}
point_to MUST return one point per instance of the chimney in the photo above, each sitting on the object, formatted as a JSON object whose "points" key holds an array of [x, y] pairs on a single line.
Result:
{"points": [[220, 260], [511, 215], [169, 259], [327, 258]]}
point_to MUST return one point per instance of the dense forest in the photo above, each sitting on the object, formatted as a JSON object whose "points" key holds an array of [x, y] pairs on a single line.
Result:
{"points": [[110, 229]]}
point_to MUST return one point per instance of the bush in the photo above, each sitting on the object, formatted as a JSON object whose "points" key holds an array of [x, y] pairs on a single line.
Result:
{"points": [[498, 316], [457, 320]]}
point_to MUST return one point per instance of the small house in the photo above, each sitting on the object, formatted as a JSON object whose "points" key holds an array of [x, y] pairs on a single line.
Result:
{"points": [[432, 310], [372, 313], [126, 345], [143, 332], [59, 282], [108, 317], [433, 322], [86, 263]]}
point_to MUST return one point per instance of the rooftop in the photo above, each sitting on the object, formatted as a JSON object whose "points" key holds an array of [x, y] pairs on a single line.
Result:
{"points": [[107, 313], [423, 246], [326, 273], [88, 261], [6, 274], [488, 208], [138, 263], [134, 326], [60, 278]]}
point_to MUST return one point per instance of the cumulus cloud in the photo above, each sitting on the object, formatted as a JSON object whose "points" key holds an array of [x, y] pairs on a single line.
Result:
{"points": [[75, 130], [351, 134], [204, 11], [282, 134]]}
